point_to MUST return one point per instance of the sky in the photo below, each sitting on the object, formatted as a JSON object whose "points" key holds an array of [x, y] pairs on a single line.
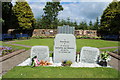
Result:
{"points": [[76, 10]]}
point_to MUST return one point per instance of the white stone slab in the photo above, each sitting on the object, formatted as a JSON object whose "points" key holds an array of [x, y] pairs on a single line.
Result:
{"points": [[42, 52], [27, 62], [89, 55], [64, 48]]}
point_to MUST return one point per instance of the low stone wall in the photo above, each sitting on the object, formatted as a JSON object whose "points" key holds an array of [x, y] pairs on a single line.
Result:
{"points": [[44, 32], [90, 33], [53, 32]]}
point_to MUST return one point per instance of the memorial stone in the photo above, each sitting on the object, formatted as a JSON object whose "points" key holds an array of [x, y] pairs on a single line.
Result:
{"points": [[42, 52], [64, 48], [89, 55]]}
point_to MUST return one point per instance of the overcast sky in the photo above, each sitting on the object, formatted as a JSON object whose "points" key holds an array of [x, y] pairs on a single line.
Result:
{"points": [[76, 10]]}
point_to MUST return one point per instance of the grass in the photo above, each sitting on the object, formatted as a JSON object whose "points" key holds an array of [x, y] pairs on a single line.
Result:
{"points": [[61, 72], [79, 42], [14, 46]]}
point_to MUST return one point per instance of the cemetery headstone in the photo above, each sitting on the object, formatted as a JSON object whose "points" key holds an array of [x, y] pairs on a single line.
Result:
{"points": [[89, 55], [42, 52], [64, 48]]}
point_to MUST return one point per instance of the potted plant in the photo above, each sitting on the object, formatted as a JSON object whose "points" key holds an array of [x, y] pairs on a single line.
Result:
{"points": [[104, 56], [66, 63]]}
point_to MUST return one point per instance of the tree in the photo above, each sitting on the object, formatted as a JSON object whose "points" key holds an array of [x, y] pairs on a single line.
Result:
{"points": [[38, 24], [83, 25], [96, 24], [110, 22], [25, 19], [6, 16], [51, 10], [90, 25], [75, 24]]}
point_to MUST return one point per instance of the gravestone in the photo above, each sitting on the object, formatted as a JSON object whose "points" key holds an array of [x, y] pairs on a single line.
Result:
{"points": [[89, 55], [64, 48], [42, 52]]}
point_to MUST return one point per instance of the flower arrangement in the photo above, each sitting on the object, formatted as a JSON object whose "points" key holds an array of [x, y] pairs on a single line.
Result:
{"points": [[35, 62], [104, 56], [66, 63], [4, 50]]}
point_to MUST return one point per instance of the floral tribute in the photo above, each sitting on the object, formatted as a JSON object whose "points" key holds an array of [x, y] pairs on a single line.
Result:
{"points": [[4, 50]]}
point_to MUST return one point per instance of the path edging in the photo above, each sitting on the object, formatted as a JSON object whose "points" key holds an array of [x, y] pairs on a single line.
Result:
{"points": [[11, 54]]}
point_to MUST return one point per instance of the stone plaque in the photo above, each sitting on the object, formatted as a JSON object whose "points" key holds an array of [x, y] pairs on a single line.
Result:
{"points": [[64, 48], [66, 30], [89, 55], [42, 52]]}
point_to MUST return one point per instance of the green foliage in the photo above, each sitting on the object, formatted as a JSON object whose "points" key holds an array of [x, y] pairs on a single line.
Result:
{"points": [[104, 55], [24, 15], [1, 20], [49, 19], [66, 63], [96, 24], [110, 22], [83, 25], [6, 16]]}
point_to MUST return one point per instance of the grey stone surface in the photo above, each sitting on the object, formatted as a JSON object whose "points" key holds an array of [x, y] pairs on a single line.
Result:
{"points": [[64, 48], [42, 52], [66, 29], [89, 55]]}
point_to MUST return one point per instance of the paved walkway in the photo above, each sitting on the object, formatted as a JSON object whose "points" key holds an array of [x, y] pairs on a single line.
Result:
{"points": [[115, 63], [13, 61]]}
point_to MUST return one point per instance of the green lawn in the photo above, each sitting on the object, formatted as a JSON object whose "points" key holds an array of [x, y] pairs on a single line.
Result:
{"points": [[14, 46], [61, 72], [80, 43]]}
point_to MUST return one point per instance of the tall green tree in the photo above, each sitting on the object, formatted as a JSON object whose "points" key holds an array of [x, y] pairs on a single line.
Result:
{"points": [[74, 24], [6, 16], [83, 25], [90, 25], [51, 10], [24, 16], [110, 20], [96, 24]]}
